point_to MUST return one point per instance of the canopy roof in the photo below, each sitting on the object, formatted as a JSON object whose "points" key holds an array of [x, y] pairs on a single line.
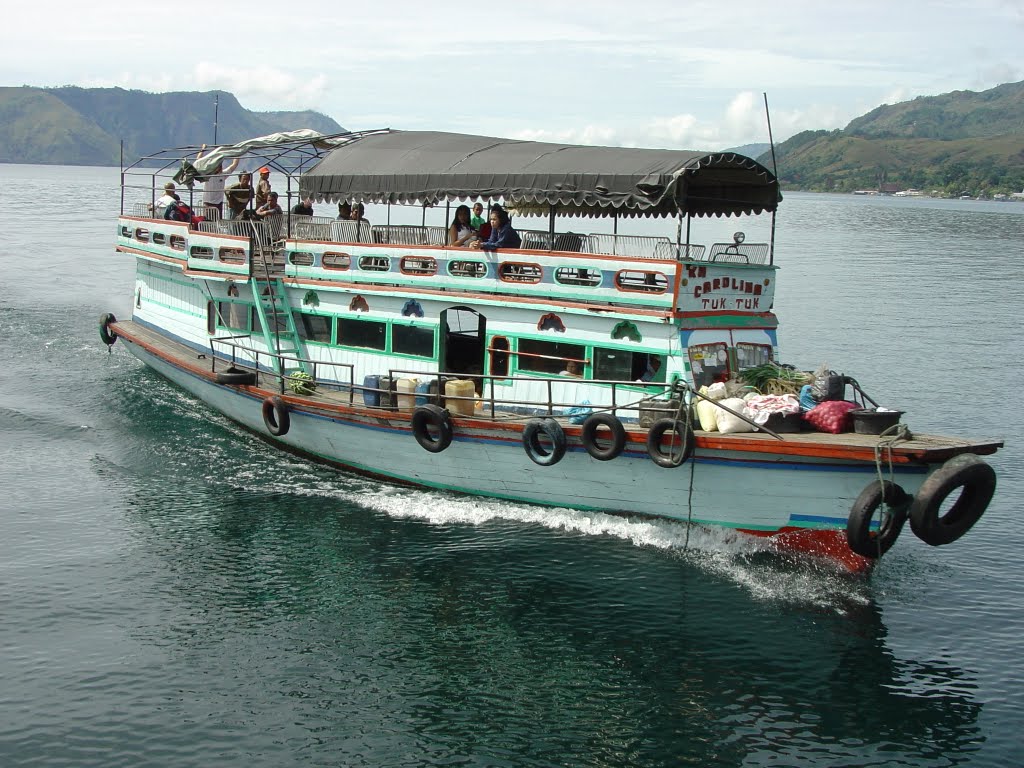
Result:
{"points": [[428, 167]]}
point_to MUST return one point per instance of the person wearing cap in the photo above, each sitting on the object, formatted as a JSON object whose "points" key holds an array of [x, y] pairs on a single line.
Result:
{"points": [[213, 185], [167, 199], [263, 188]]}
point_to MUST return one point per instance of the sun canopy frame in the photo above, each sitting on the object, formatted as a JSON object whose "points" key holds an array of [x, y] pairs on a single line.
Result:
{"points": [[429, 167]]}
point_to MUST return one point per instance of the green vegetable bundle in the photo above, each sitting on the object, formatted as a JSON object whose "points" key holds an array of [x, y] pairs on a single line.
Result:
{"points": [[772, 379]]}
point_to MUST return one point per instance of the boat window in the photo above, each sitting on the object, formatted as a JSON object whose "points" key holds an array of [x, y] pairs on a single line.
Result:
{"points": [[300, 258], [370, 334], [626, 330], [254, 319], [232, 255], [709, 363], [374, 263], [211, 317], [418, 265], [519, 272], [313, 327], [178, 242], [548, 357], [334, 260], [641, 281], [233, 315], [585, 276], [126, 231], [142, 235], [627, 365], [158, 238], [415, 340], [499, 356], [750, 355], [467, 268], [200, 252]]}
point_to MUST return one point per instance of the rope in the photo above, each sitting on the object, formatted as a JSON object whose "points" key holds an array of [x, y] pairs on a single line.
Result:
{"points": [[886, 441]]}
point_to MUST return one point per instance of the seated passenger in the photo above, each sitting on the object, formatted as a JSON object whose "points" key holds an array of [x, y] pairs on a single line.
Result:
{"points": [[477, 220], [165, 201], [502, 234], [461, 233], [362, 225], [572, 368], [269, 208], [653, 366], [344, 211], [304, 208]]}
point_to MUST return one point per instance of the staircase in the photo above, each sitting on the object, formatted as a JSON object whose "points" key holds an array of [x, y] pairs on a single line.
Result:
{"points": [[271, 299]]}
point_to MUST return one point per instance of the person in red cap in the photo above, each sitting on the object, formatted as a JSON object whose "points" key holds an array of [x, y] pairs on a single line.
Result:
{"points": [[263, 188]]}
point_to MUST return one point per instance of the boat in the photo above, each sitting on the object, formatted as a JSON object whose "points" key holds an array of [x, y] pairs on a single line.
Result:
{"points": [[570, 371]]}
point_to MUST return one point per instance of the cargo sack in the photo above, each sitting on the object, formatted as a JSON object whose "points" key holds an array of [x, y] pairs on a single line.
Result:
{"points": [[828, 385]]}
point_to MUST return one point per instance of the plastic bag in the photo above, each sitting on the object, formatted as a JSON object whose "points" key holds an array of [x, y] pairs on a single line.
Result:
{"points": [[832, 416], [828, 385]]}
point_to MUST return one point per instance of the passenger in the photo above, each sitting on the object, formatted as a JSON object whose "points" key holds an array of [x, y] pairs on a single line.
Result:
{"points": [[477, 220], [345, 211], [502, 235], [304, 208], [238, 195], [213, 186], [461, 234], [357, 214], [262, 188], [165, 201], [572, 368], [269, 208]]}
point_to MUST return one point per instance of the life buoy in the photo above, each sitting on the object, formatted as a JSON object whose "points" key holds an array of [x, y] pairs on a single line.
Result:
{"points": [[432, 427], [670, 458], [589, 436], [276, 416], [537, 451], [859, 534], [236, 377], [977, 483], [106, 335]]}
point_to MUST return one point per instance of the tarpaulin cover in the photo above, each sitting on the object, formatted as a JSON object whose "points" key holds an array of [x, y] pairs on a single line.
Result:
{"points": [[427, 167]]}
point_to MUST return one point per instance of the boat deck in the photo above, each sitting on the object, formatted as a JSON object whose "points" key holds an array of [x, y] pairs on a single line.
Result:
{"points": [[847, 445]]}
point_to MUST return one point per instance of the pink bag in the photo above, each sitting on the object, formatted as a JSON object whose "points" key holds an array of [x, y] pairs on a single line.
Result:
{"points": [[832, 416]]}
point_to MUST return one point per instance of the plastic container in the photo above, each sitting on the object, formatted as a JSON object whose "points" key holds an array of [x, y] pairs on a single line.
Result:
{"points": [[371, 396], [662, 409], [460, 388], [785, 422], [387, 395], [867, 421], [405, 393]]}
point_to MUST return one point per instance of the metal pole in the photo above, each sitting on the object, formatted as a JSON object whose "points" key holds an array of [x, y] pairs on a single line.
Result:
{"points": [[216, 115]]}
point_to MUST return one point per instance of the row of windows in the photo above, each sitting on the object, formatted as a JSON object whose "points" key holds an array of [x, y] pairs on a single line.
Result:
{"points": [[638, 281]]}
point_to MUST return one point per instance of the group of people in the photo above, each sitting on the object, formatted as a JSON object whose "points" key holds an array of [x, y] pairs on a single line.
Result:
{"points": [[472, 231], [260, 201]]}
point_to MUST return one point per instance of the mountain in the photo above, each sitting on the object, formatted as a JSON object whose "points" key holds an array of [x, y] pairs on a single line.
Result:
{"points": [[84, 126], [960, 142]]}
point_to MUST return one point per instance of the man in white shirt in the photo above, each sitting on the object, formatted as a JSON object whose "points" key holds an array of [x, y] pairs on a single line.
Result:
{"points": [[169, 197], [213, 187]]}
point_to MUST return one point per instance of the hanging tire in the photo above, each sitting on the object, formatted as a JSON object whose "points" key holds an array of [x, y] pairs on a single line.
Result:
{"points": [[976, 481], [276, 416], [535, 449], [859, 535], [670, 458], [432, 427], [106, 335], [589, 436], [235, 377]]}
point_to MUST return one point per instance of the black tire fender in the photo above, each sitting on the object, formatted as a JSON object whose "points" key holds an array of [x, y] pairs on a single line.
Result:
{"points": [[859, 535], [276, 417], [669, 459], [539, 453], [977, 483], [107, 336], [432, 417], [236, 377], [588, 436]]}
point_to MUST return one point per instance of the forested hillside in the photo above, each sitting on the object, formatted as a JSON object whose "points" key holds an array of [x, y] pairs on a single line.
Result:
{"points": [[84, 126], [954, 144]]}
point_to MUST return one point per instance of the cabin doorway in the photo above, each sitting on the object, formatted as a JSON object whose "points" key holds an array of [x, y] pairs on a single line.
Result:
{"points": [[463, 341]]}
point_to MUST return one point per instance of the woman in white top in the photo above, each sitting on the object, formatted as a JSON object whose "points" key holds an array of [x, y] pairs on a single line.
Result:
{"points": [[460, 233]]}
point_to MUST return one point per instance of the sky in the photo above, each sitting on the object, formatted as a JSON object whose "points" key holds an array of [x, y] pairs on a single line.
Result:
{"points": [[654, 73]]}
